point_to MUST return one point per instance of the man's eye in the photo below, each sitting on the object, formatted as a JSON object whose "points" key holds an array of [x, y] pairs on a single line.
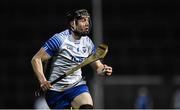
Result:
{"points": [[83, 20]]}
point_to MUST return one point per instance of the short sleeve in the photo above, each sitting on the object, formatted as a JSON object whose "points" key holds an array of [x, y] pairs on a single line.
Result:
{"points": [[52, 45], [92, 47]]}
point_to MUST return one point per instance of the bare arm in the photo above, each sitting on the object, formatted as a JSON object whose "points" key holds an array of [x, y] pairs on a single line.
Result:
{"points": [[101, 69], [36, 62]]}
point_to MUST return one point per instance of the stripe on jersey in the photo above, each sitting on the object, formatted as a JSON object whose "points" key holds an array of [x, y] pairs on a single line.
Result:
{"points": [[93, 47], [93, 50], [52, 45]]}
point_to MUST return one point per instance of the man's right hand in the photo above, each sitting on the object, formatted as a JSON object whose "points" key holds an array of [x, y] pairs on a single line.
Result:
{"points": [[45, 85]]}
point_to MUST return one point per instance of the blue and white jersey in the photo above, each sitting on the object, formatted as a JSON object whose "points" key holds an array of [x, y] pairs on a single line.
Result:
{"points": [[67, 53]]}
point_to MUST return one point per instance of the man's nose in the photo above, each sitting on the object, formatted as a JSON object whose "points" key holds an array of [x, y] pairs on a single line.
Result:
{"points": [[87, 23]]}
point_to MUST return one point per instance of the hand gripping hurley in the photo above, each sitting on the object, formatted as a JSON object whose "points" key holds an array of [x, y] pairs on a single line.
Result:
{"points": [[101, 52]]}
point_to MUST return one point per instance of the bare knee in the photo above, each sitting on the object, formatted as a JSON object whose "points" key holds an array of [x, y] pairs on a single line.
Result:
{"points": [[82, 100]]}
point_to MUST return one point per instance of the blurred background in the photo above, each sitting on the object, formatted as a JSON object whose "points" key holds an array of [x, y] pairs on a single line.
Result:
{"points": [[143, 39]]}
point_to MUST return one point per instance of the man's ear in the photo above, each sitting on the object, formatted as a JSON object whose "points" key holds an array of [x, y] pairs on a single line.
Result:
{"points": [[72, 24]]}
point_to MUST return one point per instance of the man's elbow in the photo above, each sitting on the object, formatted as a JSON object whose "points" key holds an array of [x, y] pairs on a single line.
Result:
{"points": [[33, 60]]}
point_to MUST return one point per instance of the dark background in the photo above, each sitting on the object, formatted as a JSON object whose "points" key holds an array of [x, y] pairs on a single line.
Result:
{"points": [[144, 35], [143, 39]]}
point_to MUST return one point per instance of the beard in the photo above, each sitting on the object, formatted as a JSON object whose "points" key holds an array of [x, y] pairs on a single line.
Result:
{"points": [[81, 33]]}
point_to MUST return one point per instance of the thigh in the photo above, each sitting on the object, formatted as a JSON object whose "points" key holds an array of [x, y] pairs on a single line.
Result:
{"points": [[57, 100], [84, 98]]}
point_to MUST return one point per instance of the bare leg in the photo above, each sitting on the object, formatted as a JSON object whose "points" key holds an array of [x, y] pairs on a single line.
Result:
{"points": [[82, 99]]}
